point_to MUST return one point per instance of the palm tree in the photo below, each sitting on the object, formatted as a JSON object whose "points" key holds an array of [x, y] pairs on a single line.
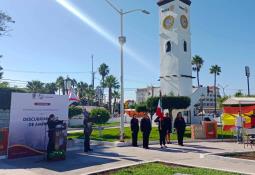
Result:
{"points": [[111, 82], [90, 94], [73, 83], [50, 88], [115, 95], [216, 70], [81, 89], [197, 63], [103, 71], [60, 83], [35, 86]]}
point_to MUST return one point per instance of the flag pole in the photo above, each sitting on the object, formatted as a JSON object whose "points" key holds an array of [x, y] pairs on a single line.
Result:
{"points": [[160, 98]]}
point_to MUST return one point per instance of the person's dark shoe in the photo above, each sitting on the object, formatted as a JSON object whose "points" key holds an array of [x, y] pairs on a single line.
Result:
{"points": [[90, 150], [161, 147], [86, 151]]}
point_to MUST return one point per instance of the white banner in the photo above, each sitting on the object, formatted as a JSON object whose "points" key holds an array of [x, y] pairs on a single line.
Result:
{"points": [[28, 121]]}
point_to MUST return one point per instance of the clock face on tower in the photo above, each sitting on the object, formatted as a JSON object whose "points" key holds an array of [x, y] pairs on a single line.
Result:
{"points": [[184, 22], [168, 22]]}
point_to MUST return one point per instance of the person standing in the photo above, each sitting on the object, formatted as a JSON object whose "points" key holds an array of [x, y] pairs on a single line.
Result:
{"points": [[168, 121], [134, 124], [180, 125], [87, 131], [52, 123], [239, 123], [162, 131], [146, 130]]}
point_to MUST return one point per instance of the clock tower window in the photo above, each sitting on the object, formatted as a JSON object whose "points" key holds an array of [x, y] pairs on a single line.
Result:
{"points": [[185, 46], [168, 47]]}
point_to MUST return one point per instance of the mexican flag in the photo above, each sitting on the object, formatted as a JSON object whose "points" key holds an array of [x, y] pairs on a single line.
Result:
{"points": [[159, 111]]}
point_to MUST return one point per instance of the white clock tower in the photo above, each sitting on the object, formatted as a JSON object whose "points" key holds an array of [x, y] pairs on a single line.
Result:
{"points": [[175, 47]]}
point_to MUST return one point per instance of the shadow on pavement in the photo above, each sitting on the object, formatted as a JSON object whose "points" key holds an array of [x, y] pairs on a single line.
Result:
{"points": [[74, 160]]}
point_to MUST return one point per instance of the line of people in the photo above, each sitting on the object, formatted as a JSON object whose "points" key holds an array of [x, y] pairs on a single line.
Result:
{"points": [[164, 128]]}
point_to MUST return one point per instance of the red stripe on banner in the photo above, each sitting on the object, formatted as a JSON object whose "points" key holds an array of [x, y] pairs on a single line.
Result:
{"points": [[228, 127], [231, 127], [235, 110], [19, 151]]}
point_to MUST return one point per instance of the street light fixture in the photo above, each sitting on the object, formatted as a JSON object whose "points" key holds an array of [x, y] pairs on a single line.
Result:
{"points": [[122, 41]]}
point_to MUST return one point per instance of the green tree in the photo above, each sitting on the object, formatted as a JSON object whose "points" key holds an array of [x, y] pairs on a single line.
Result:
{"points": [[81, 89], [4, 85], [4, 21], [215, 70], [90, 94], [221, 100], [197, 63], [73, 83], [35, 86], [50, 88], [168, 102], [111, 83], [239, 94], [60, 83], [103, 71]]}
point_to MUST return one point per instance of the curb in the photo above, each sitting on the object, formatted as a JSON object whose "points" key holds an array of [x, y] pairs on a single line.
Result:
{"points": [[128, 143], [160, 161], [220, 156]]}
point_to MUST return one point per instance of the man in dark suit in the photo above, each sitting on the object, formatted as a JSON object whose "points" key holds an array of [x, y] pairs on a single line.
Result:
{"points": [[134, 124], [146, 130], [87, 131], [162, 131]]}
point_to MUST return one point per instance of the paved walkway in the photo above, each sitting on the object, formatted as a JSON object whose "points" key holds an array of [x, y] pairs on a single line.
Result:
{"points": [[103, 158]]}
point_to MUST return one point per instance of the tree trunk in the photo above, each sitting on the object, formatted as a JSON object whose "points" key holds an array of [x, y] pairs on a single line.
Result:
{"points": [[198, 84], [110, 100], [114, 104]]}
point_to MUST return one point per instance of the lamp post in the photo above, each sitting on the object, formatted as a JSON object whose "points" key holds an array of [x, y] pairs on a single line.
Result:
{"points": [[122, 41], [247, 73]]}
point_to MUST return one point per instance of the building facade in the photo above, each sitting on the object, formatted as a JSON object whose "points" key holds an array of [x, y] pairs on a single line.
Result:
{"points": [[143, 94]]}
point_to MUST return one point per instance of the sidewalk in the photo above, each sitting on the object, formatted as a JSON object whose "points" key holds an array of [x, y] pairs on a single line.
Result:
{"points": [[105, 157]]}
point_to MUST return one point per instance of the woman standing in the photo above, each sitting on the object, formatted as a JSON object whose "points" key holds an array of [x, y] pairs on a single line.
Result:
{"points": [[168, 121], [180, 125], [146, 130]]}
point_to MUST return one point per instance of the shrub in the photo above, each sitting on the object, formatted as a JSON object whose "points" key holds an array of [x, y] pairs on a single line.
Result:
{"points": [[168, 102], [73, 111], [141, 107], [99, 116]]}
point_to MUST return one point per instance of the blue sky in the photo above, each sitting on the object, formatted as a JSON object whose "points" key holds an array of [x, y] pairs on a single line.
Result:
{"points": [[48, 38]]}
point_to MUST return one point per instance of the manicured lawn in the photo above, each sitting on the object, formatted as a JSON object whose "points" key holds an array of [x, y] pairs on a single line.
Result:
{"points": [[104, 125], [112, 134], [163, 169]]}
